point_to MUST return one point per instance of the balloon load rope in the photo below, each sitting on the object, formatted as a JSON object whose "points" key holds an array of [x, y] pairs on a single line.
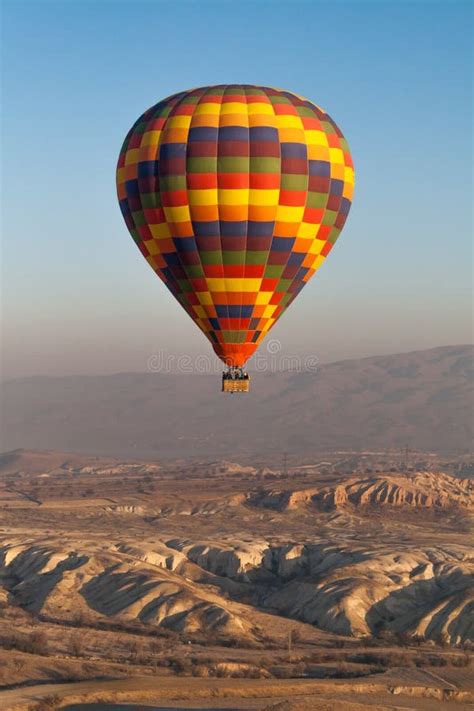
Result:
{"points": [[235, 380]]}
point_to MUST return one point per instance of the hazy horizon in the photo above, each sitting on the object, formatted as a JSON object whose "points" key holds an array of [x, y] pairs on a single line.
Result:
{"points": [[199, 363], [422, 399]]}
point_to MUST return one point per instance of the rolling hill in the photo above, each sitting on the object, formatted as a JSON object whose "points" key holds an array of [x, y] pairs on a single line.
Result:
{"points": [[423, 399]]}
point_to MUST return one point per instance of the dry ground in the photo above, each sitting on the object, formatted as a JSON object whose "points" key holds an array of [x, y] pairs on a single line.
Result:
{"points": [[216, 584]]}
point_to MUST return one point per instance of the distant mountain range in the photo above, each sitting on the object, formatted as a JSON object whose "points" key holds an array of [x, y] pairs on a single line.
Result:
{"points": [[422, 399]]}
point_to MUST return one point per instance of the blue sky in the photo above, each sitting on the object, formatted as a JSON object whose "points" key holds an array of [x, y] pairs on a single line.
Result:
{"points": [[396, 76]]}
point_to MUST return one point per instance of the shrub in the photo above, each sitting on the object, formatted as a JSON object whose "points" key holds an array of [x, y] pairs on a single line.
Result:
{"points": [[299, 669], [19, 664], [76, 645], [437, 661], [296, 636], [156, 645], [34, 643], [369, 658], [181, 665], [134, 650], [461, 661], [221, 672], [200, 670], [49, 703], [89, 669], [143, 659]]}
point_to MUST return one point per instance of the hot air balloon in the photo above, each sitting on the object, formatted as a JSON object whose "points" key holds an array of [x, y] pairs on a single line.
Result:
{"points": [[235, 195]]}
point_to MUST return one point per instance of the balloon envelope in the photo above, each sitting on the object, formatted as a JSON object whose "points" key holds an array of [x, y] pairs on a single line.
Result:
{"points": [[235, 195]]}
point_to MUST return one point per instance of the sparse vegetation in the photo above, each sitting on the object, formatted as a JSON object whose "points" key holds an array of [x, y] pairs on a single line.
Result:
{"points": [[48, 703], [76, 645], [33, 643], [118, 594]]}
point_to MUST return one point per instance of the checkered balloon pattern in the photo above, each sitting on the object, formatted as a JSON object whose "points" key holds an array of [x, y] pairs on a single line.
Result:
{"points": [[235, 195]]}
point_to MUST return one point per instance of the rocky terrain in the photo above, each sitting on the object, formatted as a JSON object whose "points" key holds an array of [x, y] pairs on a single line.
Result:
{"points": [[422, 399], [425, 490], [348, 565]]}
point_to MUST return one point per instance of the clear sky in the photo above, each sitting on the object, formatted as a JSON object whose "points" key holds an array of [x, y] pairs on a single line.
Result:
{"points": [[396, 76]]}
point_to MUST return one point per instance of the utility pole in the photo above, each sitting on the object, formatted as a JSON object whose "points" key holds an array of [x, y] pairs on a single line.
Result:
{"points": [[290, 643], [285, 464]]}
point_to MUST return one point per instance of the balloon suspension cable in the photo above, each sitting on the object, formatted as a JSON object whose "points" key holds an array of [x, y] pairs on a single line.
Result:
{"points": [[235, 380], [235, 372]]}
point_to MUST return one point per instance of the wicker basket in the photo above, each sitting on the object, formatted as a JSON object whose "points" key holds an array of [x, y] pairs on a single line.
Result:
{"points": [[235, 386]]}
